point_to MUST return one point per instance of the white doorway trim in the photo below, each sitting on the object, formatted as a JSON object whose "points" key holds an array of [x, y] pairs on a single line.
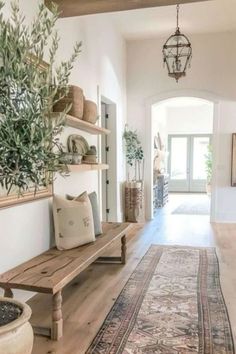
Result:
{"points": [[205, 95], [112, 196]]}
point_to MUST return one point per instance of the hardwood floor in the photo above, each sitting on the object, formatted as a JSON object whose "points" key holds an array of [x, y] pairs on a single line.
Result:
{"points": [[87, 301]]}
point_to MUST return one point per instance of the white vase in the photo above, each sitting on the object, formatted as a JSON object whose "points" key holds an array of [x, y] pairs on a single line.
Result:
{"points": [[17, 336]]}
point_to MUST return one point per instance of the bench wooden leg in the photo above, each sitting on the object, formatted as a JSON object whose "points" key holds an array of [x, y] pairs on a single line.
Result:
{"points": [[123, 249], [57, 321], [115, 260], [8, 293], [42, 331]]}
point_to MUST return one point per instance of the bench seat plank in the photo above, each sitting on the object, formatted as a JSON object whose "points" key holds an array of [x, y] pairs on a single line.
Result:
{"points": [[54, 269]]}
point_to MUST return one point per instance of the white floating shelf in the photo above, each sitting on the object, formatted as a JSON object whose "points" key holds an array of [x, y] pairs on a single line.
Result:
{"points": [[87, 167], [85, 126]]}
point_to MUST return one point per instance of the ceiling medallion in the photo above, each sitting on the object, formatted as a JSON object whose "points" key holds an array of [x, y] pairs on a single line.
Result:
{"points": [[177, 53]]}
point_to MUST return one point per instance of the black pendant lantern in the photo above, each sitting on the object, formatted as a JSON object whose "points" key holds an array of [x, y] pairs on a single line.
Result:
{"points": [[177, 53]]}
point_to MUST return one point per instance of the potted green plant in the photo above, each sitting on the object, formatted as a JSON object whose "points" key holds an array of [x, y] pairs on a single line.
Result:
{"points": [[16, 334], [30, 148], [134, 154], [134, 187], [208, 166]]}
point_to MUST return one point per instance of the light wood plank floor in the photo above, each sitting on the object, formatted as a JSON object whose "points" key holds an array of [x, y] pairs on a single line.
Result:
{"points": [[88, 300]]}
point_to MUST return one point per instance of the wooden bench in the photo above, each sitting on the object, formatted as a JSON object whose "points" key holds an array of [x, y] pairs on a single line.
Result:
{"points": [[51, 271]]}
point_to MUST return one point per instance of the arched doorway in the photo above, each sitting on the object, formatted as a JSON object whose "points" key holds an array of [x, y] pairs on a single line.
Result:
{"points": [[201, 95]]}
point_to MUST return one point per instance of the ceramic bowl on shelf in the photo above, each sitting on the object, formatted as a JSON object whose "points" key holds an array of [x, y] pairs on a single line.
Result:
{"points": [[90, 159], [77, 159], [69, 158]]}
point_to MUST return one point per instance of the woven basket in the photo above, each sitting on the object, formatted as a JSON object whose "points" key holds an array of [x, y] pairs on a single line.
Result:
{"points": [[74, 97], [134, 202], [90, 112]]}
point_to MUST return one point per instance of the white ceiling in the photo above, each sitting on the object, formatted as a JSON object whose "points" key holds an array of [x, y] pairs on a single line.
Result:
{"points": [[201, 17]]}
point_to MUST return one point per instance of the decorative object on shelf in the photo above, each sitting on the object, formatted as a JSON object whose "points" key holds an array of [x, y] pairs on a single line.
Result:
{"points": [[16, 334], [77, 144], [177, 53], [158, 163], [73, 102], [30, 148], [160, 190], [233, 164], [73, 222], [77, 147], [90, 112], [68, 157], [158, 142], [208, 162], [159, 154], [77, 159], [91, 155], [134, 189]]}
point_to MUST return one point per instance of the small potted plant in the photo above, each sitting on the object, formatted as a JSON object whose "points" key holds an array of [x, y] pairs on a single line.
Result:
{"points": [[16, 334], [208, 162], [134, 155]]}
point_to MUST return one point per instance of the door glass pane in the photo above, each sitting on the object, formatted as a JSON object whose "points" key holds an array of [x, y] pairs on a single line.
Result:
{"points": [[178, 169], [200, 145]]}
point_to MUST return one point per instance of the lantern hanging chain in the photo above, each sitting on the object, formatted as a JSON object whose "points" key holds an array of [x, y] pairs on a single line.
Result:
{"points": [[177, 17], [177, 31]]}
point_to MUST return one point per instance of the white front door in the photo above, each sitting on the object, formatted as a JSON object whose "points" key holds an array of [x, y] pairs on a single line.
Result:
{"points": [[187, 168]]}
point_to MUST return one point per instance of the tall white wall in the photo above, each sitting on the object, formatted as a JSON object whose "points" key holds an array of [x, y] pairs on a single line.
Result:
{"points": [[212, 73], [26, 230], [102, 63], [226, 195]]}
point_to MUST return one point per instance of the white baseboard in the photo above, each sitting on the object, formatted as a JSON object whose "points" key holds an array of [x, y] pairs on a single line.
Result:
{"points": [[225, 218]]}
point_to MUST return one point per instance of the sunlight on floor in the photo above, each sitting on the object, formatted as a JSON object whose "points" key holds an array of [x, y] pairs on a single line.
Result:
{"points": [[190, 204], [189, 227]]}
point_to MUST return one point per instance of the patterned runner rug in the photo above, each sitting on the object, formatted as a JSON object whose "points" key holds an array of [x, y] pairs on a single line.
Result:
{"points": [[171, 304]]}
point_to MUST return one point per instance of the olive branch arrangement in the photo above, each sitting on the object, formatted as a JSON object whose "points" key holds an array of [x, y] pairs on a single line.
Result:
{"points": [[30, 149]]}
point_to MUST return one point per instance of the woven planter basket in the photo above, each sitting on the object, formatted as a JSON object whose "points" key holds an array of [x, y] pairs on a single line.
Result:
{"points": [[74, 97], [134, 202], [90, 112]]}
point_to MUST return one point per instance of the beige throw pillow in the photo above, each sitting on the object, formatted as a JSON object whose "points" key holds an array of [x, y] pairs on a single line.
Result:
{"points": [[73, 222], [95, 209]]}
